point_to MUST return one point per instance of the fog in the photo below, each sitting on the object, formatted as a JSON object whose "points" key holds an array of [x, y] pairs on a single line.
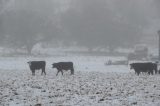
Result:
{"points": [[108, 24], [105, 51]]}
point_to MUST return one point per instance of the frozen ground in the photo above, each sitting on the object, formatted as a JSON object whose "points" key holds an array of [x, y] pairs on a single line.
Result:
{"points": [[93, 84]]}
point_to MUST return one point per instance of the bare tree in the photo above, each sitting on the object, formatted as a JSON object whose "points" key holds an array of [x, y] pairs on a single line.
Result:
{"points": [[26, 26]]}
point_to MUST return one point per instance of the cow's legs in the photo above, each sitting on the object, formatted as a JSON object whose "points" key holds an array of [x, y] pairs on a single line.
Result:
{"points": [[33, 72], [155, 71], [138, 73], [135, 72], [62, 72], [57, 72], [72, 71], [150, 72], [43, 71]]}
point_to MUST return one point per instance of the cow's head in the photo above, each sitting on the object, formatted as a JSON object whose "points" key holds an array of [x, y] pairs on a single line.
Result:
{"points": [[131, 66], [54, 65], [29, 63]]}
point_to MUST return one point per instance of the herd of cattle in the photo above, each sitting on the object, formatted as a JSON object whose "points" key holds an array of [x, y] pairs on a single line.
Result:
{"points": [[37, 65], [146, 67]]}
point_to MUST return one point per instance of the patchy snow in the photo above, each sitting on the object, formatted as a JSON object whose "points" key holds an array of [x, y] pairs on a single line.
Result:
{"points": [[81, 63], [94, 84]]}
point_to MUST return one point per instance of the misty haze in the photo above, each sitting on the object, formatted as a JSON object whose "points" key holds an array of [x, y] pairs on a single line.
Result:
{"points": [[79, 53]]}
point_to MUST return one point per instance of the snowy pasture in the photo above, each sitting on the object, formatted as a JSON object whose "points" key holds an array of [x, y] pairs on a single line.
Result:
{"points": [[94, 84]]}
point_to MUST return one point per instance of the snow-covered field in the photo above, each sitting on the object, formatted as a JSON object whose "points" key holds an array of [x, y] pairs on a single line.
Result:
{"points": [[94, 84]]}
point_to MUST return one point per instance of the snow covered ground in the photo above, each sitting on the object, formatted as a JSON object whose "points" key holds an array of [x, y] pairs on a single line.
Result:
{"points": [[94, 84]]}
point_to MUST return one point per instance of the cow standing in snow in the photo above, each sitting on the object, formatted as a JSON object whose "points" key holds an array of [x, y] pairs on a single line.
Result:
{"points": [[63, 66], [148, 67], [37, 65]]}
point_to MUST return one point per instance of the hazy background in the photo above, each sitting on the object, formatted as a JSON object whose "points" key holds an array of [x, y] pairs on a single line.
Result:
{"points": [[100, 24]]}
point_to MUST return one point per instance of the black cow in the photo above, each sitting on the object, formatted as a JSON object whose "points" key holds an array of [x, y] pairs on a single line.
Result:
{"points": [[148, 67], [63, 66], [37, 65]]}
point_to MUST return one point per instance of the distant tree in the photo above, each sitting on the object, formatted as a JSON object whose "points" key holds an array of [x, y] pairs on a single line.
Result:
{"points": [[26, 28], [29, 24]]}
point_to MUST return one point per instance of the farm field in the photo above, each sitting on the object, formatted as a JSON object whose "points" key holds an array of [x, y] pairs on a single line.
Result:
{"points": [[94, 84]]}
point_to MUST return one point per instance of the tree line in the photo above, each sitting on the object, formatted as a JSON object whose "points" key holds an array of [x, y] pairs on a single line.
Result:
{"points": [[90, 23]]}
